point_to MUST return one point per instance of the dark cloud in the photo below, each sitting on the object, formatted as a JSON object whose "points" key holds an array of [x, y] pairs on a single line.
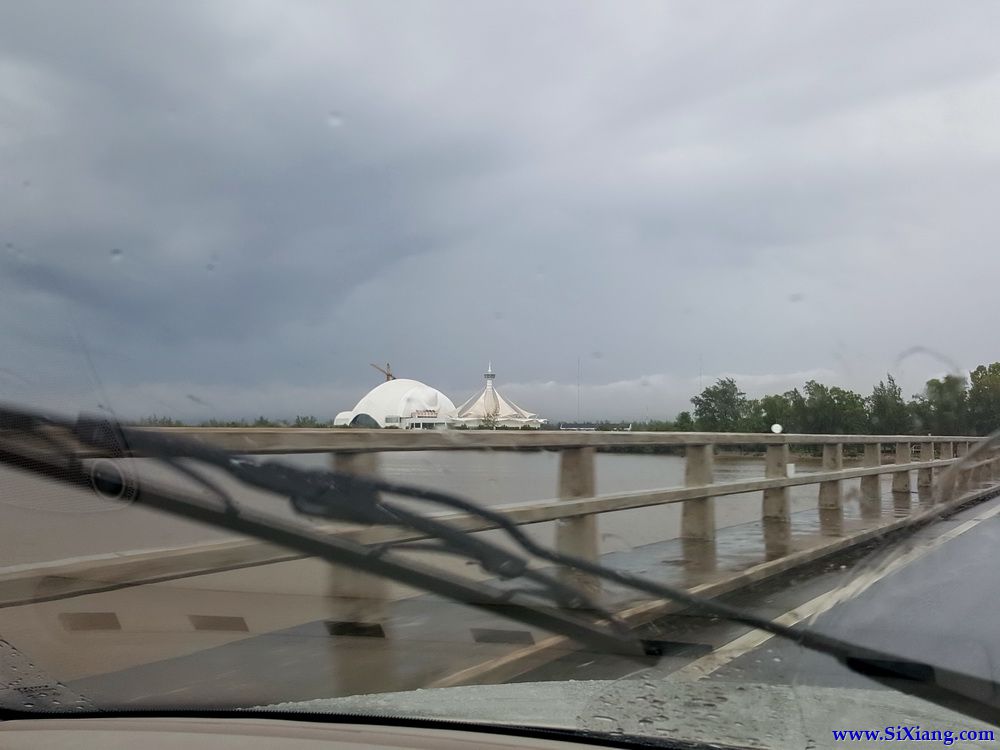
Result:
{"points": [[236, 206]]}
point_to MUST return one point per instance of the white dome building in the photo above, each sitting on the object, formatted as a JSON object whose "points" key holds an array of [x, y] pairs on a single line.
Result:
{"points": [[403, 403]]}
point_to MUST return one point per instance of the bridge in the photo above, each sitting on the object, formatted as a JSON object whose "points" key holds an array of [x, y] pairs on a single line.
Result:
{"points": [[133, 620]]}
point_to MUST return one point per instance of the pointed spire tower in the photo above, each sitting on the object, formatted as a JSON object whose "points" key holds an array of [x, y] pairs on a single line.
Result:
{"points": [[489, 406]]}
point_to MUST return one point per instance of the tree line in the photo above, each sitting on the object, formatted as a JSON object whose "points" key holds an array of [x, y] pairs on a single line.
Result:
{"points": [[952, 405], [299, 421]]}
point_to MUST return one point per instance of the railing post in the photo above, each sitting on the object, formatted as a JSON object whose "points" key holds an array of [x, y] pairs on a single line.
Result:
{"points": [[578, 536], [925, 477], [901, 479], [945, 451], [925, 474], [938, 489], [831, 498], [830, 494], [871, 486], [775, 506], [986, 470], [901, 500], [964, 478], [978, 474], [362, 464], [361, 597], [698, 516]]}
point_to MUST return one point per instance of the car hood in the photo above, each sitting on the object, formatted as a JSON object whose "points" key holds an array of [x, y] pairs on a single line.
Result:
{"points": [[737, 714]]}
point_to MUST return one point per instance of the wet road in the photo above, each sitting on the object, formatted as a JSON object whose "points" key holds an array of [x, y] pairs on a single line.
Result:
{"points": [[940, 608]]}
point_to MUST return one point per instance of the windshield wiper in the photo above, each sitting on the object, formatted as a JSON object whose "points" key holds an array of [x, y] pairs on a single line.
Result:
{"points": [[560, 608]]}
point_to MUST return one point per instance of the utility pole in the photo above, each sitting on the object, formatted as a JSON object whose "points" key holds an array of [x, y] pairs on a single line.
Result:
{"points": [[578, 391]]}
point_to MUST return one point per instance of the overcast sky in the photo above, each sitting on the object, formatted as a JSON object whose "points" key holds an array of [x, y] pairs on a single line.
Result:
{"points": [[231, 208]]}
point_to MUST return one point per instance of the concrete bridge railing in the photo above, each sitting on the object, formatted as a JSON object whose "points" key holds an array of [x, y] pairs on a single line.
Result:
{"points": [[578, 507]]}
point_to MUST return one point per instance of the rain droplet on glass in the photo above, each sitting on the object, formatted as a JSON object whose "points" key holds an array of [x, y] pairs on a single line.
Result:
{"points": [[116, 254]]}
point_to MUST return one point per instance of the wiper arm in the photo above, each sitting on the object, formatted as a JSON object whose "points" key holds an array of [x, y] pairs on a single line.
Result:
{"points": [[346, 497]]}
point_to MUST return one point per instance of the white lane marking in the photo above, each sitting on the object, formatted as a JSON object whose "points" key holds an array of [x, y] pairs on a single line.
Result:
{"points": [[706, 665]]}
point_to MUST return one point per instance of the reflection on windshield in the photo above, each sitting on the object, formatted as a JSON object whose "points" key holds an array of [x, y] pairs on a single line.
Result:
{"points": [[590, 366]]}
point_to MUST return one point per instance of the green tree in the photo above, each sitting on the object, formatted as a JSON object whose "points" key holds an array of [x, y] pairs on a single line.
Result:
{"points": [[309, 421], [887, 412], [683, 422], [984, 399], [920, 414], [720, 407], [654, 425], [797, 411], [820, 410], [158, 421], [851, 412], [942, 409], [607, 426], [754, 418], [832, 410], [782, 408]]}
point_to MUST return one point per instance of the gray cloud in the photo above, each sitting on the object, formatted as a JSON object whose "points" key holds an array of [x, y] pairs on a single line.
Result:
{"points": [[656, 190]]}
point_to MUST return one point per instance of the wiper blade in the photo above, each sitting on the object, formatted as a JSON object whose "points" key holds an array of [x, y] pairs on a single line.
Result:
{"points": [[356, 499]]}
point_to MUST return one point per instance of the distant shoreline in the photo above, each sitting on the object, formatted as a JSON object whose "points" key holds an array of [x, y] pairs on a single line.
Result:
{"points": [[721, 453]]}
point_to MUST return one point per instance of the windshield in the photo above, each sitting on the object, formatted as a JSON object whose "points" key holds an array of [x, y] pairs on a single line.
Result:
{"points": [[609, 367]]}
